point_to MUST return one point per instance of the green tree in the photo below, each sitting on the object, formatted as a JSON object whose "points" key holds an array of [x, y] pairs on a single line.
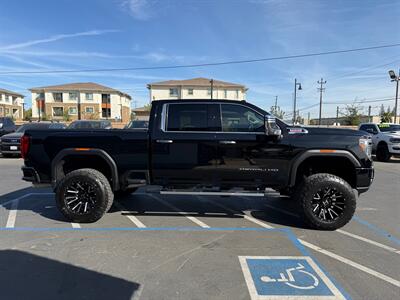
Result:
{"points": [[386, 116], [277, 112], [28, 114], [353, 114], [66, 116]]}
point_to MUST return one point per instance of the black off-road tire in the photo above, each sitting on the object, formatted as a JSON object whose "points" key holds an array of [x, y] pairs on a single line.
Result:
{"points": [[322, 182], [382, 153], [102, 195]]}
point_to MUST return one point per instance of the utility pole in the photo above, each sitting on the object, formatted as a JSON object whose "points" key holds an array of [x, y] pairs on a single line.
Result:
{"points": [[337, 115], [321, 89], [369, 114], [308, 117], [212, 88], [276, 103], [79, 105]]}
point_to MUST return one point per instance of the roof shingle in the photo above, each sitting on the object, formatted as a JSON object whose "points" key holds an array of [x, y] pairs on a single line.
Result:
{"points": [[200, 81]]}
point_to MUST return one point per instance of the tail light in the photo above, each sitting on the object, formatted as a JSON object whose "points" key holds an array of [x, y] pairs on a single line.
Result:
{"points": [[25, 143]]}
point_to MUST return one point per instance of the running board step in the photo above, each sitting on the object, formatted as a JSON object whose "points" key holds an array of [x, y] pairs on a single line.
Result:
{"points": [[243, 194]]}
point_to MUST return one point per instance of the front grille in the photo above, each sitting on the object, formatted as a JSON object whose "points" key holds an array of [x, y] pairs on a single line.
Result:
{"points": [[11, 141]]}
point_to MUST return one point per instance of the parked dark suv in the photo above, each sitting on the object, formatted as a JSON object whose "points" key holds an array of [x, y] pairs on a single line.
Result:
{"points": [[10, 143], [6, 125]]}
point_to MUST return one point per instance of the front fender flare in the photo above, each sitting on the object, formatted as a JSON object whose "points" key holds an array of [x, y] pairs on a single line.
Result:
{"points": [[319, 152]]}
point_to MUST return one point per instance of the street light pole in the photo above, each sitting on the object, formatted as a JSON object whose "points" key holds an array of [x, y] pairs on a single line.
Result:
{"points": [[212, 88], [294, 98], [397, 97], [396, 78]]}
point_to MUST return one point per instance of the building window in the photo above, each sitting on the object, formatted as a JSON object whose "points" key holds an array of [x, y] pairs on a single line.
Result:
{"points": [[237, 94], [40, 96], [1, 111], [89, 96], [72, 110], [1, 97], [73, 96], [58, 97], [105, 98], [7, 111], [190, 91], [89, 110], [226, 94], [8, 98], [14, 99], [106, 113], [58, 111], [173, 92], [209, 91]]}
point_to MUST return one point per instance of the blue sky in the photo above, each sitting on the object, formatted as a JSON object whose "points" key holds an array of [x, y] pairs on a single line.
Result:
{"points": [[48, 34]]}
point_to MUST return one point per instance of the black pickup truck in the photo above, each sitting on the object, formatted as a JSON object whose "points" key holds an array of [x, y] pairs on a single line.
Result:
{"points": [[203, 146]]}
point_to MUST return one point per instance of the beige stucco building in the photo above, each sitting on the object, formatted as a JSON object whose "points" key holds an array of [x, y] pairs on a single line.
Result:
{"points": [[96, 101], [11, 104], [196, 88]]}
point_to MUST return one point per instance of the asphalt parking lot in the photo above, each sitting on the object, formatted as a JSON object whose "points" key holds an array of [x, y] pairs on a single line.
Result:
{"points": [[153, 246]]}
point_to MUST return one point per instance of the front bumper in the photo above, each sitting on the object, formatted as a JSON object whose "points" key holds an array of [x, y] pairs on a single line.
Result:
{"points": [[9, 148], [394, 149], [364, 179]]}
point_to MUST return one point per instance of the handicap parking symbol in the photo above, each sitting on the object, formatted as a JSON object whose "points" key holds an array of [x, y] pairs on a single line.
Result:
{"points": [[286, 277]]}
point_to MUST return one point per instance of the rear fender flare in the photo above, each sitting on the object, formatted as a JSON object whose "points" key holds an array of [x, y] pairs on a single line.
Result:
{"points": [[90, 152]]}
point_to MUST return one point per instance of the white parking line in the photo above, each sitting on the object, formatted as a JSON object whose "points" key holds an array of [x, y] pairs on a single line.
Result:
{"points": [[352, 263], [355, 236], [352, 235], [326, 252], [249, 218], [12, 215], [134, 220], [186, 214], [76, 225]]}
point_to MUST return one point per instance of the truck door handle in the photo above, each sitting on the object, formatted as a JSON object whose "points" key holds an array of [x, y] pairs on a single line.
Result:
{"points": [[165, 141], [227, 142]]}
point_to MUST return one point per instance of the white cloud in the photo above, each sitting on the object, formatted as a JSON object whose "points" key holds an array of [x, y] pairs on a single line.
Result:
{"points": [[139, 9], [55, 38]]}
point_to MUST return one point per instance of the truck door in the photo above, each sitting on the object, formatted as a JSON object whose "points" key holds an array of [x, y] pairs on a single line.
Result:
{"points": [[184, 147], [245, 155]]}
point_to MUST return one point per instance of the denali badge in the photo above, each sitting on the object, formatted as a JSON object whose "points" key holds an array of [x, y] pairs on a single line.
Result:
{"points": [[259, 169]]}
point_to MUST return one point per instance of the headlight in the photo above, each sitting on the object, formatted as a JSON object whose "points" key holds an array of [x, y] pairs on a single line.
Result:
{"points": [[365, 143], [395, 140], [1, 125]]}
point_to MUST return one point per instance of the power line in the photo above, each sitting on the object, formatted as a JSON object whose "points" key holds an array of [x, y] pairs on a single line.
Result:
{"points": [[205, 64]]}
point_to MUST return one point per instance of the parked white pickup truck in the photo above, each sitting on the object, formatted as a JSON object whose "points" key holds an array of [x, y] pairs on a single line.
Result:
{"points": [[385, 139]]}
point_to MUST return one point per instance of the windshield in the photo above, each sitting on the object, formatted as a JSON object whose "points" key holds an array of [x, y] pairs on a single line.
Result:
{"points": [[389, 127], [138, 124], [88, 125], [25, 127]]}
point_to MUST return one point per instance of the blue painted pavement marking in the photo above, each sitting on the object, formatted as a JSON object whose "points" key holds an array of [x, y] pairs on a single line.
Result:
{"points": [[283, 277], [377, 230]]}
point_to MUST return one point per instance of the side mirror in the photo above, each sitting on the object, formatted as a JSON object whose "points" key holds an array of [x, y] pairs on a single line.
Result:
{"points": [[271, 128]]}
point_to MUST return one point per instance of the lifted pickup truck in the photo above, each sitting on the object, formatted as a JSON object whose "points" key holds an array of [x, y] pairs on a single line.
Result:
{"points": [[203, 146]]}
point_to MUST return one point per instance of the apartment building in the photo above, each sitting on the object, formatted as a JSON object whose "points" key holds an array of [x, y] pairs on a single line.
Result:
{"points": [[196, 88], [95, 101], [11, 104]]}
